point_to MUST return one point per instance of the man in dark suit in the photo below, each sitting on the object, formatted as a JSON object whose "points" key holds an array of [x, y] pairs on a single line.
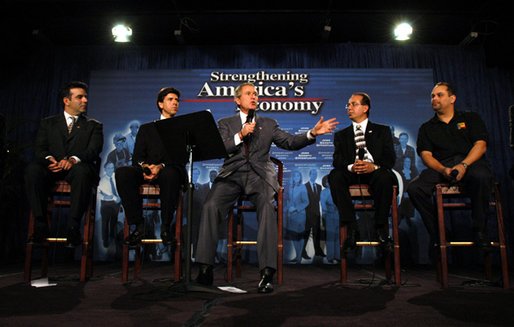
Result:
{"points": [[313, 215], [367, 160], [248, 169], [67, 147], [152, 164]]}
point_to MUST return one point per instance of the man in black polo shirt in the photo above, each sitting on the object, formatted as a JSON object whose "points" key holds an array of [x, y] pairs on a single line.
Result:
{"points": [[452, 144]]}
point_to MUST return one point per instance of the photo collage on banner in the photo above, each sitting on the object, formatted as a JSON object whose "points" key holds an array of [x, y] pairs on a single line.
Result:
{"points": [[296, 98]]}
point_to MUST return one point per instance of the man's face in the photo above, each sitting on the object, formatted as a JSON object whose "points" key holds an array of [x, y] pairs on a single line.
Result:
{"points": [[109, 169], [76, 103], [441, 100], [355, 109], [248, 99], [134, 128], [313, 174], [212, 175], [403, 139], [196, 174], [169, 105], [120, 144]]}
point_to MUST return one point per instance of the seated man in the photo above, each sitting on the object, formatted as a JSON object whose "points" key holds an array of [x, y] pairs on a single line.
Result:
{"points": [[452, 144], [364, 154], [151, 164], [248, 169], [68, 146]]}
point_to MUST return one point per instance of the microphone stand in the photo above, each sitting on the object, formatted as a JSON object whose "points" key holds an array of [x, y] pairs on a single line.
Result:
{"points": [[186, 285]]}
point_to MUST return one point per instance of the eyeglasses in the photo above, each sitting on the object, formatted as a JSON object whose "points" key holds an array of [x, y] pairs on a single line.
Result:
{"points": [[352, 104]]}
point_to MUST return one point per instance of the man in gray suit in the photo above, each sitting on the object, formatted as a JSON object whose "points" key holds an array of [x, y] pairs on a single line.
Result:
{"points": [[249, 170]]}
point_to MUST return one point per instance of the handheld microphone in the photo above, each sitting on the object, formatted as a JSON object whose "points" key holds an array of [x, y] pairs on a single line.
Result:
{"points": [[250, 115], [454, 174], [361, 153]]}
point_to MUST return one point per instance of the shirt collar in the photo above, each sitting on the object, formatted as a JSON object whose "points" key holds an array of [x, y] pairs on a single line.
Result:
{"points": [[363, 125], [68, 116]]}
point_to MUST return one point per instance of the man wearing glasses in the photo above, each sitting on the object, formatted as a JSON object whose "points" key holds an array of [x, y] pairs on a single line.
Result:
{"points": [[364, 154]]}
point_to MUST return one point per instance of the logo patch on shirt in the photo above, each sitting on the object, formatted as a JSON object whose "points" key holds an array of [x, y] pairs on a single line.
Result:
{"points": [[461, 125]]}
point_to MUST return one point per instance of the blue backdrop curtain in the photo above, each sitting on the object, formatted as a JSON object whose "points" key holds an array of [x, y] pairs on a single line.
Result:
{"points": [[30, 94]]}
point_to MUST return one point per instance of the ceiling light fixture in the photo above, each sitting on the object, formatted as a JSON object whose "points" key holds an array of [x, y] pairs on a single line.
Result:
{"points": [[468, 39], [121, 33], [402, 32]]}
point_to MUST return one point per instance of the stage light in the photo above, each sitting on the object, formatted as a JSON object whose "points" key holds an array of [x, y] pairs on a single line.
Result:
{"points": [[121, 33], [468, 39], [402, 32], [179, 35], [326, 32]]}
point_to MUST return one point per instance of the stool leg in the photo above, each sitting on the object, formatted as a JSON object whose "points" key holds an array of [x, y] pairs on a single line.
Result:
{"points": [[125, 254], [230, 244], [343, 234], [501, 239], [442, 239], [27, 273], [239, 226], [396, 238], [178, 248]]}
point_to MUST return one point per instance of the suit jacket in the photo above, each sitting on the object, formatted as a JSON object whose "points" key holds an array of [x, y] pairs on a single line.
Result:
{"points": [[267, 131], [149, 149], [85, 140], [379, 143]]}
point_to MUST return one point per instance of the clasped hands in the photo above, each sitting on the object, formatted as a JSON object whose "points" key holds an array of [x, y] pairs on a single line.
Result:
{"points": [[363, 167], [154, 169], [64, 164]]}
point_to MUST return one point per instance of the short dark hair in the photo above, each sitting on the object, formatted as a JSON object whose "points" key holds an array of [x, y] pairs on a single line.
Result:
{"points": [[164, 92], [449, 88], [366, 100], [66, 90]]}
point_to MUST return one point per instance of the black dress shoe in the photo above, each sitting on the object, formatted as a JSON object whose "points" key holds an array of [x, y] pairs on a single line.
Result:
{"points": [[205, 275], [266, 282], [39, 235], [320, 253], [167, 238], [135, 237], [73, 237], [351, 241]]}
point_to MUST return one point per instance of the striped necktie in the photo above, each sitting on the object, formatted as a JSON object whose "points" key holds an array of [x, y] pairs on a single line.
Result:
{"points": [[360, 142]]}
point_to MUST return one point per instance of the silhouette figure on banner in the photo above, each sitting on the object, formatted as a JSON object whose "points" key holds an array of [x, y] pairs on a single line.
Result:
{"points": [[296, 215], [330, 218]]}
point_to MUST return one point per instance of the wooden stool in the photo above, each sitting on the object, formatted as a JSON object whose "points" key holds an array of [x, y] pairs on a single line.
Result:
{"points": [[446, 192], [60, 197], [150, 193], [236, 243], [362, 192]]}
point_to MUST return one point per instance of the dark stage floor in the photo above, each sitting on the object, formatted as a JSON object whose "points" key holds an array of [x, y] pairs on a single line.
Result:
{"points": [[310, 296]]}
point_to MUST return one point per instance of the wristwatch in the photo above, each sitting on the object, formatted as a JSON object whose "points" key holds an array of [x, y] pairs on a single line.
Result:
{"points": [[464, 164]]}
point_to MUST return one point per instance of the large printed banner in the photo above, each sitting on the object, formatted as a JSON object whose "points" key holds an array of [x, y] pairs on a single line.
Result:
{"points": [[296, 98]]}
